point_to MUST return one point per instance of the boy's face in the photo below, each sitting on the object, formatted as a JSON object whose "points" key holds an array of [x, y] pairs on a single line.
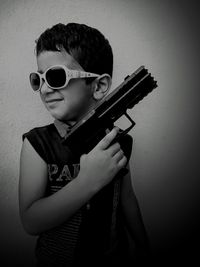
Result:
{"points": [[70, 103]]}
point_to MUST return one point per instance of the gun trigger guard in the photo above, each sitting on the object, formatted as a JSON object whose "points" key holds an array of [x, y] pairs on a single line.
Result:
{"points": [[124, 132], [132, 124]]}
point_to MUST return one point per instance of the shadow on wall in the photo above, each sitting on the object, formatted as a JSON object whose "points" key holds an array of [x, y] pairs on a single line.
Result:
{"points": [[16, 247]]}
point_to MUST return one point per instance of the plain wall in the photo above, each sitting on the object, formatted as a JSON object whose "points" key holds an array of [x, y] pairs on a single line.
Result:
{"points": [[163, 36]]}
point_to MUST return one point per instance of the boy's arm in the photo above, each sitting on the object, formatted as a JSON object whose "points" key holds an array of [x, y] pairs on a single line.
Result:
{"points": [[40, 213], [133, 217]]}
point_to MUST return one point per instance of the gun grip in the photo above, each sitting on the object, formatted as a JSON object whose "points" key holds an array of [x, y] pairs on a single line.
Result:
{"points": [[125, 141]]}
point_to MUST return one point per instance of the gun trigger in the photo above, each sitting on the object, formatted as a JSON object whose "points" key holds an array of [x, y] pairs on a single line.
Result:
{"points": [[126, 77], [107, 131], [120, 134]]}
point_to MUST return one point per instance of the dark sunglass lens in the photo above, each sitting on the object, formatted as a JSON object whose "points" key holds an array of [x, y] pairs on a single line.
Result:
{"points": [[35, 81], [56, 77]]}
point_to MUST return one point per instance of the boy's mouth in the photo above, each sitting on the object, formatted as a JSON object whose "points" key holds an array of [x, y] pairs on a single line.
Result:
{"points": [[53, 100]]}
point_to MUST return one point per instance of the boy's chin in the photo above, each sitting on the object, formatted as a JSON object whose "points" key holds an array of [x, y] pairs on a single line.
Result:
{"points": [[63, 118], [58, 116]]}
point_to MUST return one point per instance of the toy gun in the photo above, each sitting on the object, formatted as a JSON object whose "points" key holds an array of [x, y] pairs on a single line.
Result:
{"points": [[91, 128]]}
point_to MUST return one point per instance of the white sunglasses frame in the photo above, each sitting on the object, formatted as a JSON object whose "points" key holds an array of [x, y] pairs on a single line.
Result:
{"points": [[70, 74]]}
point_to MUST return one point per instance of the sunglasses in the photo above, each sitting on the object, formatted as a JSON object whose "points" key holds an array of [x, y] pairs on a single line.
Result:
{"points": [[57, 77]]}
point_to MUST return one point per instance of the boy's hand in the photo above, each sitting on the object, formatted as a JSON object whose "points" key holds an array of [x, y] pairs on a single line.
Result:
{"points": [[102, 163]]}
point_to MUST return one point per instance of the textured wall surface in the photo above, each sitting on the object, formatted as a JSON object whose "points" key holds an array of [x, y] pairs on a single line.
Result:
{"points": [[163, 36]]}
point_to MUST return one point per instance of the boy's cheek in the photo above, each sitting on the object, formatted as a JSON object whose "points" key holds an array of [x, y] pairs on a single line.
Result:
{"points": [[42, 97]]}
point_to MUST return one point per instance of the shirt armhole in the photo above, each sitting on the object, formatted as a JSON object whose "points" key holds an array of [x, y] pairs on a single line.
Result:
{"points": [[39, 148]]}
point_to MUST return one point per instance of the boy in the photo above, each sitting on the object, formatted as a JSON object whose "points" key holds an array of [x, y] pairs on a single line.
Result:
{"points": [[80, 207]]}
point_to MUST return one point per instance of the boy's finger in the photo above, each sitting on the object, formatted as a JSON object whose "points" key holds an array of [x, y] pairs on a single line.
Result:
{"points": [[105, 142]]}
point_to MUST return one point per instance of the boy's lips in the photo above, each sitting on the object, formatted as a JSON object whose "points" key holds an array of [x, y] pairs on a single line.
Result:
{"points": [[53, 100]]}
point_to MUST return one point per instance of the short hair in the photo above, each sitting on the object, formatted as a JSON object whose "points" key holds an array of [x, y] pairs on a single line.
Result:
{"points": [[85, 44]]}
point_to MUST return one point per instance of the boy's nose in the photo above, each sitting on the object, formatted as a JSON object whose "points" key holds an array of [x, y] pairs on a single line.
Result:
{"points": [[45, 88]]}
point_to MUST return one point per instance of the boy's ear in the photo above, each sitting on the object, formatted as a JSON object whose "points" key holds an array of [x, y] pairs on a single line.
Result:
{"points": [[101, 86]]}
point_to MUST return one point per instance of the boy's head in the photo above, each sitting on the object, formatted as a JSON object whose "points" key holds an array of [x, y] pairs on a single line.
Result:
{"points": [[85, 44], [62, 52]]}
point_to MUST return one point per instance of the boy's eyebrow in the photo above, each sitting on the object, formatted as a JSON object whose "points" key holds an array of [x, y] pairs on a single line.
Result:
{"points": [[73, 65]]}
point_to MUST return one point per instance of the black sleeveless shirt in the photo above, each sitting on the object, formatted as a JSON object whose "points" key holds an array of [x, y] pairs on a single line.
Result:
{"points": [[95, 231]]}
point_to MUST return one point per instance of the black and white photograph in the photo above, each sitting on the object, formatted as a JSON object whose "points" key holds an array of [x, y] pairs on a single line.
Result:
{"points": [[99, 133]]}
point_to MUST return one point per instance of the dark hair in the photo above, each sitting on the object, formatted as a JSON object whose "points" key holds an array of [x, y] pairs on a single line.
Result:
{"points": [[85, 44]]}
